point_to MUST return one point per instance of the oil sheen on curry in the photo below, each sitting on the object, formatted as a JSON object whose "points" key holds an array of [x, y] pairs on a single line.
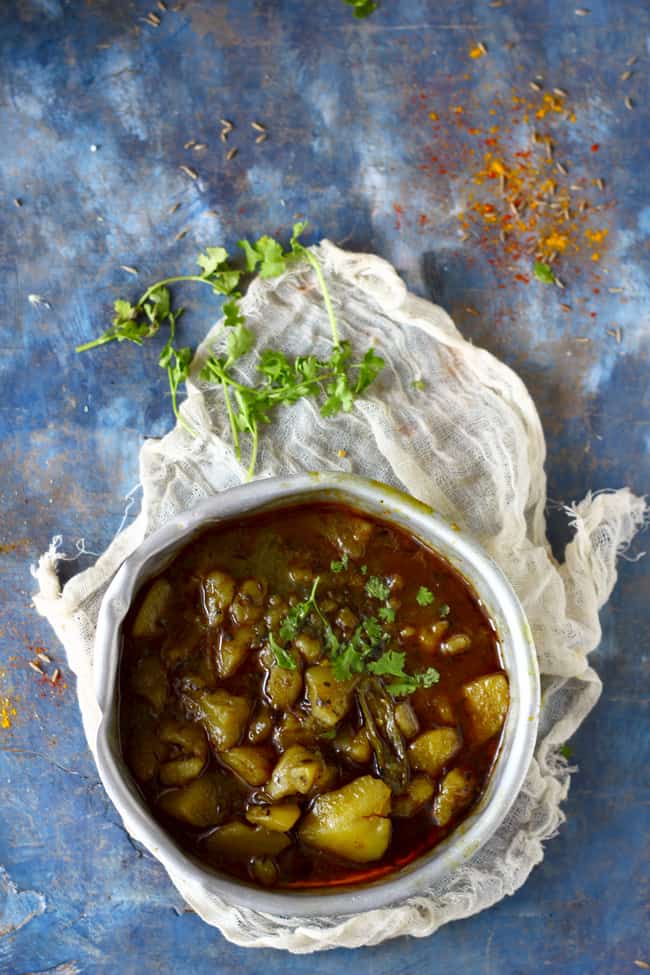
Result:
{"points": [[310, 697]]}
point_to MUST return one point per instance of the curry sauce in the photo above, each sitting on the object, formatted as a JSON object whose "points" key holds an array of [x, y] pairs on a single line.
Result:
{"points": [[310, 697]]}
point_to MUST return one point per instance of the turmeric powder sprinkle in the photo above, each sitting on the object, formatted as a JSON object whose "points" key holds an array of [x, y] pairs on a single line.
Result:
{"points": [[513, 198]]}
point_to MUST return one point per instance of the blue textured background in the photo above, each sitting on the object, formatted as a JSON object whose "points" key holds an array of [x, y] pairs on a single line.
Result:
{"points": [[344, 146]]}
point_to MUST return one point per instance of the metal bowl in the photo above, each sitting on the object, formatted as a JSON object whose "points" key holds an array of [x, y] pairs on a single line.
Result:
{"points": [[465, 555]]}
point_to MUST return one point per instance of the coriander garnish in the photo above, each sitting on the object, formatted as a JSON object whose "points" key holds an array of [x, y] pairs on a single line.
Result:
{"points": [[337, 380], [377, 588], [424, 596]]}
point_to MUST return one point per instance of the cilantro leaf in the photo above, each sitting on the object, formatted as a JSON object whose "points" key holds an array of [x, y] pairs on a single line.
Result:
{"points": [[240, 341], [377, 588], [364, 570], [387, 614], [390, 664], [424, 596], [340, 565], [283, 657], [544, 273], [408, 683], [362, 8], [444, 610], [566, 751], [368, 370], [231, 313], [373, 629], [212, 259]]}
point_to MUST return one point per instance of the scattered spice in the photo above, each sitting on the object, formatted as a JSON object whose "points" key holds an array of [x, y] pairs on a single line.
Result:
{"points": [[626, 76], [182, 233], [35, 667], [18, 202], [616, 334], [641, 964], [192, 173], [231, 153], [582, 12], [190, 144], [342, 453], [7, 712], [478, 51], [129, 269], [629, 104], [261, 138], [199, 146], [258, 127], [173, 208]]}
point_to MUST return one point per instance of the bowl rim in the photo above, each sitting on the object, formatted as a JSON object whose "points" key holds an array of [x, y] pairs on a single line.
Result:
{"points": [[432, 529]]}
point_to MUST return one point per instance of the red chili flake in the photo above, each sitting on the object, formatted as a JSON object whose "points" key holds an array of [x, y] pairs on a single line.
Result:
{"points": [[423, 219], [596, 291], [490, 142], [442, 170], [592, 314], [522, 277], [595, 147]]}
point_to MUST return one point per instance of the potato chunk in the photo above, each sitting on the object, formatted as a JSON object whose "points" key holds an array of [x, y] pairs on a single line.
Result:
{"points": [[197, 803], [248, 604], [283, 687], [418, 792], [280, 817], [329, 699], [457, 790], [253, 764], [407, 719], [237, 841], [218, 592], [223, 715], [231, 653], [185, 749], [296, 773], [149, 680], [351, 822], [431, 750], [261, 725], [354, 745], [486, 702], [148, 621]]}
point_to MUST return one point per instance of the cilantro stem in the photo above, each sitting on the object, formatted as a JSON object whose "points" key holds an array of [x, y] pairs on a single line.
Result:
{"points": [[253, 460], [102, 340], [315, 263], [233, 425], [172, 388]]}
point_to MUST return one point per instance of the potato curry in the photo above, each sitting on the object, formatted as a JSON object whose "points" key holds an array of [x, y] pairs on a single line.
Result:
{"points": [[310, 697]]}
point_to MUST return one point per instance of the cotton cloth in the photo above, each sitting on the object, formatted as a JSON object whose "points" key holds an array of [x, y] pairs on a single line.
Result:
{"points": [[466, 440]]}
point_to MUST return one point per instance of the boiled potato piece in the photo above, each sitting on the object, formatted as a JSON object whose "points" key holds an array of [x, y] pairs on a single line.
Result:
{"points": [[149, 680], [418, 792], [292, 731], [237, 841], [253, 763], [248, 604], [186, 749], [329, 699], [148, 621], [457, 790], [355, 746], [351, 822], [308, 647], [407, 719], [144, 753], [264, 871], [261, 725], [443, 709], [218, 593], [197, 803], [431, 750], [296, 773], [431, 635], [280, 817], [459, 643], [231, 653], [486, 702], [223, 715], [283, 687]]}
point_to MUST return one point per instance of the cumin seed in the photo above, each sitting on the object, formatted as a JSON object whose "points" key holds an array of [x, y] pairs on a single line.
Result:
{"points": [[534, 86], [199, 146], [44, 657], [564, 306], [181, 234], [582, 12], [560, 284], [482, 48], [632, 60], [18, 202], [626, 76], [129, 269], [36, 668], [153, 18], [173, 208], [629, 104], [560, 92], [231, 153], [227, 124], [190, 144], [192, 173], [261, 138], [55, 675], [161, 5], [561, 168], [258, 127], [600, 183]]}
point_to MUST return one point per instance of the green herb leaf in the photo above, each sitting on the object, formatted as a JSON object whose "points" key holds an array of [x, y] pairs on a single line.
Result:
{"points": [[390, 664], [444, 611], [419, 384], [566, 751], [543, 272], [364, 570], [212, 259], [368, 370], [240, 341], [283, 657], [377, 588], [362, 8], [410, 683], [341, 564], [424, 596], [387, 614]]}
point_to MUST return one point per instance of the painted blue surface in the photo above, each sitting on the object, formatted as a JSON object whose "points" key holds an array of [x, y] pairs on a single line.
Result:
{"points": [[343, 148]]}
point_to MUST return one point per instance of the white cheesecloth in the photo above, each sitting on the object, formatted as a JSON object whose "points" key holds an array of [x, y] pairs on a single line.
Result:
{"points": [[470, 444]]}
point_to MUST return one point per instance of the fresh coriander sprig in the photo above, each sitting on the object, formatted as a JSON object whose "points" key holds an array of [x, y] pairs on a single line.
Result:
{"points": [[338, 379]]}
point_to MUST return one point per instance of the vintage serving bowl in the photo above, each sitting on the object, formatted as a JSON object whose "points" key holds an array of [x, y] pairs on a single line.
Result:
{"points": [[485, 578]]}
